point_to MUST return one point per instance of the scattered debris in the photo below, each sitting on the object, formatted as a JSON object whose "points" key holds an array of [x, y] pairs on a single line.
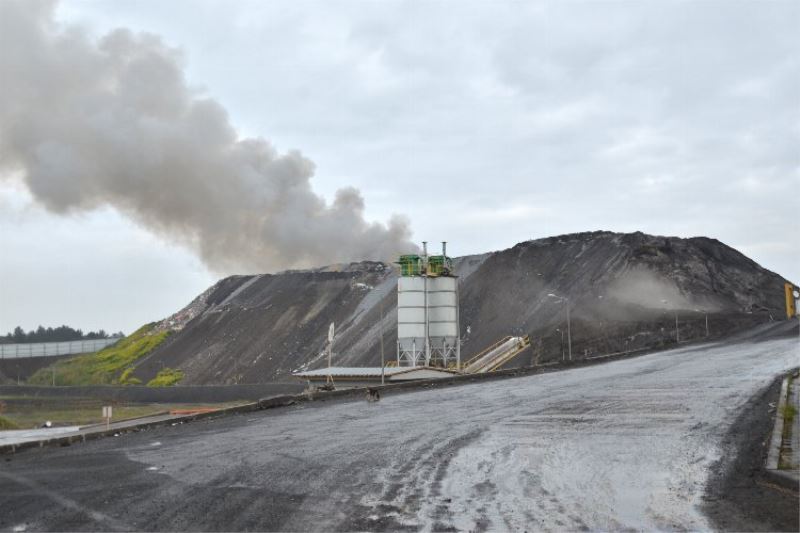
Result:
{"points": [[373, 394]]}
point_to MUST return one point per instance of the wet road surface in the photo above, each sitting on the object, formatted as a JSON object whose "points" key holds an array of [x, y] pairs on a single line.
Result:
{"points": [[626, 444]]}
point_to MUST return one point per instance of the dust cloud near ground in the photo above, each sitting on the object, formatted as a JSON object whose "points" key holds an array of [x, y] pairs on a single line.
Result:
{"points": [[90, 121], [644, 288]]}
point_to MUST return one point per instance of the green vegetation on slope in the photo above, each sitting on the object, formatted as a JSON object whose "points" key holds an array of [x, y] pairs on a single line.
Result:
{"points": [[5, 423], [127, 377], [167, 377], [108, 366]]}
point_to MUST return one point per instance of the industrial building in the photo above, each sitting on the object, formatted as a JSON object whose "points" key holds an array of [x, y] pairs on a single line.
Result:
{"points": [[427, 311], [428, 340]]}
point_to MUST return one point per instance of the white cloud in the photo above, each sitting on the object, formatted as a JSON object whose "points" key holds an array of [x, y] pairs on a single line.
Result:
{"points": [[667, 117]]}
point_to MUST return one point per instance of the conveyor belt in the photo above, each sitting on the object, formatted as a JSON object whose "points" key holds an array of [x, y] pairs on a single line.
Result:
{"points": [[496, 355]]}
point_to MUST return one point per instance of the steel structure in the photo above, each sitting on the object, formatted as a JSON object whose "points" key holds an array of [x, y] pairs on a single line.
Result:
{"points": [[427, 311], [496, 355]]}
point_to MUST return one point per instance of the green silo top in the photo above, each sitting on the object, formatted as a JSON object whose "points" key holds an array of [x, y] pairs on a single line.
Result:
{"points": [[410, 265], [440, 265]]}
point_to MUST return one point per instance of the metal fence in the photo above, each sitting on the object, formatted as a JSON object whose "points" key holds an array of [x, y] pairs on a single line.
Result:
{"points": [[49, 349]]}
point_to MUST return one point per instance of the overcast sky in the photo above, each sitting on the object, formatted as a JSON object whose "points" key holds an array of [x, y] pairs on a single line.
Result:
{"points": [[485, 123]]}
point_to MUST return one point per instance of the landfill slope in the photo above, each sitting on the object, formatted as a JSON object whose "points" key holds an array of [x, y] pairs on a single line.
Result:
{"points": [[624, 292]]}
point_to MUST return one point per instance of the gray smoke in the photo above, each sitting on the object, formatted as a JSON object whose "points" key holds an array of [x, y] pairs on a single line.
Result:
{"points": [[112, 121]]}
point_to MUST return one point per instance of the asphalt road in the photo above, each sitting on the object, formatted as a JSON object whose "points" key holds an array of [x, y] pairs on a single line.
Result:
{"points": [[626, 444]]}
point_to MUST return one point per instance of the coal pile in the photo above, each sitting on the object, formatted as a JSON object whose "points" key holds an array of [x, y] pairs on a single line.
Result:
{"points": [[624, 292]]}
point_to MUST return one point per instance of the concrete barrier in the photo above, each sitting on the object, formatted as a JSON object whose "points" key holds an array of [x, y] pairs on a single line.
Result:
{"points": [[774, 453], [772, 470]]}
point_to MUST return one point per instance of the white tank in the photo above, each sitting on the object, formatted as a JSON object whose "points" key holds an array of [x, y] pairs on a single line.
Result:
{"points": [[411, 320], [443, 320], [442, 307], [427, 321]]}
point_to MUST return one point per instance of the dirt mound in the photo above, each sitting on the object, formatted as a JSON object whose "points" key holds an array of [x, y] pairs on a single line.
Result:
{"points": [[624, 292]]}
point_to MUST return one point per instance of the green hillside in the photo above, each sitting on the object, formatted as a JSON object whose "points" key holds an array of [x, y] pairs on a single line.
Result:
{"points": [[106, 367]]}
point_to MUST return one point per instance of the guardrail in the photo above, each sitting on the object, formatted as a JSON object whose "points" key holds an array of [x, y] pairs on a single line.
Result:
{"points": [[50, 349]]}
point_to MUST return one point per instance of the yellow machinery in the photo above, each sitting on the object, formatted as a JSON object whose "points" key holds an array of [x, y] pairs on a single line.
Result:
{"points": [[792, 293]]}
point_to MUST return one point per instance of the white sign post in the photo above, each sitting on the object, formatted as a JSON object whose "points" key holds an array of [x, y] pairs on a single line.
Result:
{"points": [[107, 415], [330, 352]]}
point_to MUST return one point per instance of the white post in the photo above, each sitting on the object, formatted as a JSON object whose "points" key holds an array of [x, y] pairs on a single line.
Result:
{"points": [[107, 415], [331, 333], [330, 377]]}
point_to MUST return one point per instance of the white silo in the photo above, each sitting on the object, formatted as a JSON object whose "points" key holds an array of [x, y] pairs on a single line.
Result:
{"points": [[412, 348], [442, 297], [427, 311]]}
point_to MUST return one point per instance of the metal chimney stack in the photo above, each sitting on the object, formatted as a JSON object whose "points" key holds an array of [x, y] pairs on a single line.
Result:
{"points": [[444, 248]]}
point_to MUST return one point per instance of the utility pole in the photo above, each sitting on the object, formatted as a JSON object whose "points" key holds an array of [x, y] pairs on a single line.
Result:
{"points": [[383, 362], [569, 332], [677, 337], [569, 327], [706, 324], [561, 346]]}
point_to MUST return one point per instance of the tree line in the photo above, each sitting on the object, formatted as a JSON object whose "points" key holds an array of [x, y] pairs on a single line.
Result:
{"points": [[59, 334]]}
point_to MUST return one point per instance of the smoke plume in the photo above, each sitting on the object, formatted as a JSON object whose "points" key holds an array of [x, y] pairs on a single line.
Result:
{"points": [[112, 121]]}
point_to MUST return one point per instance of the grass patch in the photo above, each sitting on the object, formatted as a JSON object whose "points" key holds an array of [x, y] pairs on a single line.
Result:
{"points": [[166, 377], [29, 413], [81, 415], [5, 423], [109, 366], [126, 378]]}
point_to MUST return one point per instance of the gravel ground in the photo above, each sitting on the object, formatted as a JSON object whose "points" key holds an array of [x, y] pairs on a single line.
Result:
{"points": [[738, 495], [628, 444]]}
